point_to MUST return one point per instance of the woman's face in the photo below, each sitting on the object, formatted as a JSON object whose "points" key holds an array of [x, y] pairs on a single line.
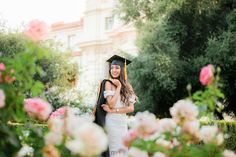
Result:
{"points": [[115, 71]]}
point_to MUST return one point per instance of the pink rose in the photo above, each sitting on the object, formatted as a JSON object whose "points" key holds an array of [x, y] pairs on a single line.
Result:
{"points": [[58, 112], [206, 75], [2, 67], [36, 107], [36, 30], [2, 99], [132, 135], [9, 79]]}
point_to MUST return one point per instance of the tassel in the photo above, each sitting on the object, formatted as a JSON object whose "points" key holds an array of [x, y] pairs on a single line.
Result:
{"points": [[125, 71]]}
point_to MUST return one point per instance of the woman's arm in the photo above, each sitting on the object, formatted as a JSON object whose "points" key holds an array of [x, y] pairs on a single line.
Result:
{"points": [[127, 109], [111, 100], [94, 110]]}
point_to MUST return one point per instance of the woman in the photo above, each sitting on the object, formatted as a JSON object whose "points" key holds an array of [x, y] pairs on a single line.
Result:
{"points": [[120, 99]]}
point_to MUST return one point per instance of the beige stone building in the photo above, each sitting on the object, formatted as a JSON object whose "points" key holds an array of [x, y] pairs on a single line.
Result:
{"points": [[93, 39]]}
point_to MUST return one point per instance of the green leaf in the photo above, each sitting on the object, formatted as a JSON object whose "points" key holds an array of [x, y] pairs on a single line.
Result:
{"points": [[37, 88]]}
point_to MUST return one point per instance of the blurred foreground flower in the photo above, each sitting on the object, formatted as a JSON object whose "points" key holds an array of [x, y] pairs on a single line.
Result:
{"points": [[90, 141], [132, 135], [167, 125], [6, 76], [2, 98], [135, 152], [58, 113], [211, 134], [145, 124], [36, 107], [25, 151], [183, 110], [50, 151], [229, 153], [2, 67], [82, 136], [159, 154]]}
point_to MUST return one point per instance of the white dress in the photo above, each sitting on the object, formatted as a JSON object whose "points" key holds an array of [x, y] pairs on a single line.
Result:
{"points": [[116, 126]]}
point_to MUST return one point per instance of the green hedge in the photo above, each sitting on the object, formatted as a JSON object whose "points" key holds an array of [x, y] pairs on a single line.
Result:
{"points": [[230, 129]]}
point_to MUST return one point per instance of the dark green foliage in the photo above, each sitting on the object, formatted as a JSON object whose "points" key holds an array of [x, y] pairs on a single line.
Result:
{"points": [[175, 39], [58, 71], [9, 141], [11, 44], [32, 134], [55, 68], [26, 61]]}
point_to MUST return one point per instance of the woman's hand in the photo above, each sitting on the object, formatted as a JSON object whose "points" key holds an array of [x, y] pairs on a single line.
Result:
{"points": [[116, 82], [106, 108]]}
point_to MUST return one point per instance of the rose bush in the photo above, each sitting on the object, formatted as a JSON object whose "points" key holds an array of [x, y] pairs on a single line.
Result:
{"points": [[181, 135]]}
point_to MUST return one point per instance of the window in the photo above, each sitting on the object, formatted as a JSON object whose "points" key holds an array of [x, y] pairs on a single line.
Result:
{"points": [[70, 41], [109, 22]]}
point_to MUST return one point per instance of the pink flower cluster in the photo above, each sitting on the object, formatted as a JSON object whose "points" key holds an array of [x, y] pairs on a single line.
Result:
{"points": [[36, 30], [2, 67], [182, 127], [59, 112], [207, 75], [131, 135], [7, 78], [38, 108]]}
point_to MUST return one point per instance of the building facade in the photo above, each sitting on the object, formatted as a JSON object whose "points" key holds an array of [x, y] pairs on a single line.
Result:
{"points": [[94, 39]]}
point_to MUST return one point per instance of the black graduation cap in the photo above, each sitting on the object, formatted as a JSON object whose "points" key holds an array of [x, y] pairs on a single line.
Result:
{"points": [[118, 60], [121, 61]]}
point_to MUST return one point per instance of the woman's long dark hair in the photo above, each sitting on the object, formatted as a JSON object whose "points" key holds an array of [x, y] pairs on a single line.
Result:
{"points": [[126, 89]]}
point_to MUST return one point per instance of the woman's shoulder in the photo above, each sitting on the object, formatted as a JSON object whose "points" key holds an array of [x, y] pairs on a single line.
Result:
{"points": [[109, 85]]}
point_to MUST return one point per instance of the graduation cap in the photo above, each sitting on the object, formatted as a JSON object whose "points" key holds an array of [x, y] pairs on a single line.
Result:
{"points": [[121, 61]]}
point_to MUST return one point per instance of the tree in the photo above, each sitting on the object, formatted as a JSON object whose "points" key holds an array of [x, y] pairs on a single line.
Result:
{"points": [[175, 39]]}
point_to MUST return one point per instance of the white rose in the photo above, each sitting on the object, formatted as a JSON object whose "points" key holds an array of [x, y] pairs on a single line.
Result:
{"points": [[229, 153], [135, 152], [184, 110], [210, 134], [145, 124], [26, 151], [93, 139], [53, 138], [75, 146], [191, 127], [159, 154], [219, 139], [167, 124], [164, 143]]}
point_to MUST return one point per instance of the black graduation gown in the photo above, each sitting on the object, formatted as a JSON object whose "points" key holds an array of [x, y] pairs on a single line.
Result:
{"points": [[100, 114]]}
